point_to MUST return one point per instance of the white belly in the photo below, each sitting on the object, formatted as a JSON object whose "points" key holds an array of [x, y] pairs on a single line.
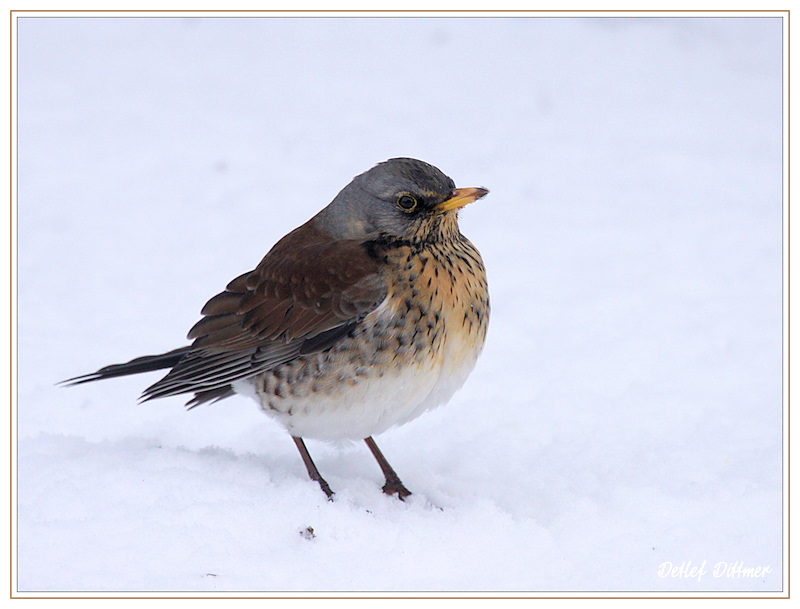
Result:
{"points": [[374, 404]]}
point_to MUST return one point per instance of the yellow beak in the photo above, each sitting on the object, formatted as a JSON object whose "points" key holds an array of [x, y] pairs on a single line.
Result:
{"points": [[460, 198]]}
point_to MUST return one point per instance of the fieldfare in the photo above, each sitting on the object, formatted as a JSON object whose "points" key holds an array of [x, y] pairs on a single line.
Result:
{"points": [[363, 318]]}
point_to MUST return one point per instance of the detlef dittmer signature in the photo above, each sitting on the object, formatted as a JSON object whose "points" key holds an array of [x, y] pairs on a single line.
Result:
{"points": [[731, 570]]}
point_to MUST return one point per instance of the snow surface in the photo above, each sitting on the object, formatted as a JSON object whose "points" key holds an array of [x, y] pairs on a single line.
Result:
{"points": [[626, 412]]}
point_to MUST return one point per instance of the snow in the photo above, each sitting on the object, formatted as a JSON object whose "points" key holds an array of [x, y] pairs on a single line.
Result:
{"points": [[625, 417]]}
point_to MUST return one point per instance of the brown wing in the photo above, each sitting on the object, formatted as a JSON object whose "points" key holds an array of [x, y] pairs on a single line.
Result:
{"points": [[306, 293]]}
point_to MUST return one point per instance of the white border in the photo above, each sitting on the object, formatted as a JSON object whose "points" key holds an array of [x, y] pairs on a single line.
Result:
{"points": [[15, 15]]}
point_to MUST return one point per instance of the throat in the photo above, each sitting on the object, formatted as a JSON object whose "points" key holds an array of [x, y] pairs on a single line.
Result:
{"points": [[439, 230]]}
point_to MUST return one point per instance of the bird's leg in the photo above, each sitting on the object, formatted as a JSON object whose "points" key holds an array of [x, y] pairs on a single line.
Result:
{"points": [[313, 472], [393, 484]]}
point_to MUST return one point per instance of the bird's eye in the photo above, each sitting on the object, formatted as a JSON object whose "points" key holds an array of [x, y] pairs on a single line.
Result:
{"points": [[407, 203]]}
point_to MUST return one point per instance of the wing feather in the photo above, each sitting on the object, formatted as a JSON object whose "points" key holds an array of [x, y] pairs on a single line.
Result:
{"points": [[306, 294]]}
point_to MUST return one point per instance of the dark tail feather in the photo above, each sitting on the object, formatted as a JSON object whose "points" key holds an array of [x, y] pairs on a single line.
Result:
{"points": [[148, 363], [211, 396]]}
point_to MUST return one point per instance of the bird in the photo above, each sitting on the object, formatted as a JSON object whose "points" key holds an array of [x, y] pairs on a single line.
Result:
{"points": [[366, 316]]}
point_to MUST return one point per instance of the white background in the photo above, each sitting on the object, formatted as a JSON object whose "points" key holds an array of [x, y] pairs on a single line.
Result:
{"points": [[626, 412]]}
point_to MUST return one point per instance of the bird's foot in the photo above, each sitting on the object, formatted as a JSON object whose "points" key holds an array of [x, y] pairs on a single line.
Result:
{"points": [[326, 489], [395, 487]]}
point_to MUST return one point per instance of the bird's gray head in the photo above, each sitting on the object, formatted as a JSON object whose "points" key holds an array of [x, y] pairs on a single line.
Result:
{"points": [[403, 198]]}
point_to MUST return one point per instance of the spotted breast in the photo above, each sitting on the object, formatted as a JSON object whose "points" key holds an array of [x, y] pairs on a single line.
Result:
{"points": [[409, 355]]}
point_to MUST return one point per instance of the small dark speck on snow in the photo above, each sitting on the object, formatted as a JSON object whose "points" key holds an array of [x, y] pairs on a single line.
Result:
{"points": [[307, 533]]}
